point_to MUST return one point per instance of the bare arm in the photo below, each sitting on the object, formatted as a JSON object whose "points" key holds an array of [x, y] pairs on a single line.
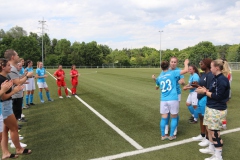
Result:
{"points": [[185, 70]]}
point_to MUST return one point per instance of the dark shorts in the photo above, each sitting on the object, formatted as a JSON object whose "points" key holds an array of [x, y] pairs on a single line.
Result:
{"points": [[17, 107]]}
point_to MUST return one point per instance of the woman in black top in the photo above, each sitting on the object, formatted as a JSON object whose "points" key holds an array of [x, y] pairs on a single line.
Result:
{"points": [[10, 122], [216, 110]]}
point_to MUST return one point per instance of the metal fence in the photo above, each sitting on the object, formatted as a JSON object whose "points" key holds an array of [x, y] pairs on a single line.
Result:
{"points": [[233, 65]]}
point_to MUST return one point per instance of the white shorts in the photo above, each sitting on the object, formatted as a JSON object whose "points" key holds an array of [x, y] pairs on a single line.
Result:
{"points": [[1, 123], [31, 84], [192, 98], [42, 85], [179, 97], [169, 106]]}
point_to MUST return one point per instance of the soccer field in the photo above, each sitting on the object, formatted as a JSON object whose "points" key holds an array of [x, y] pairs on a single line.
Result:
{"points": [[119, 119]]}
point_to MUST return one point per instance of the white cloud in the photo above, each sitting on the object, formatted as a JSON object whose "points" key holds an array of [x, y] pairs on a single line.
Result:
{"points": [[129, 23]]}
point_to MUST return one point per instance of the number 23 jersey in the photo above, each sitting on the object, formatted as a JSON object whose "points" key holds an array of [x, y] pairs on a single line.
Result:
{"points": [[166, 81]]}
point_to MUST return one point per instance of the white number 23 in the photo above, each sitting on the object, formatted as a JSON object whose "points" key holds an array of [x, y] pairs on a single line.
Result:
{"points": [[166, 85]]}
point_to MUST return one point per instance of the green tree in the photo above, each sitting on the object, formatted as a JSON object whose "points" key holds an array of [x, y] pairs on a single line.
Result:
{"points": [[16, 32]]}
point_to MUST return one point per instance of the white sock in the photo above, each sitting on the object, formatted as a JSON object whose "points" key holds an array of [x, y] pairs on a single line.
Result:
{"points": [[211, 146], [166, 129], [218, 152]]}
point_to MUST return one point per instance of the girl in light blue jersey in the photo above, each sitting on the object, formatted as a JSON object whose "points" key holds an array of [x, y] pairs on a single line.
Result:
{"points": [[41, 82], [30, 86], [192, 100], [166, 81]]}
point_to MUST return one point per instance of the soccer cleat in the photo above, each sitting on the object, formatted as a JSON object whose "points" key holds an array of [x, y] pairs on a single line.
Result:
{"points": [[68, 96], [10, 141], [32, 104], [21, 144], [164, 138], [192, 122], [26, 107], [204, 143], [198, 138], [42, 101], [191, 118], [172, 138], [50, 100], [206, 150], [166, 129], [175, 132], [60, 96], [22, 115], [213, 158]]}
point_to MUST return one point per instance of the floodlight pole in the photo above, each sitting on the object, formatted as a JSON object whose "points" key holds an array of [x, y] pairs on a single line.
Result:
{"points": [[160, 49], [42, 23]]}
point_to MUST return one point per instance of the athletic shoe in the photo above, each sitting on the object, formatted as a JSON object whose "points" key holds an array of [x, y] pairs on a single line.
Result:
{"points": [[191, 118], [198, 138], [10, 141], [21, 144], [60, 96], [32, 104], [164, 138], [166, 129], [42, 101], [192, 122], [172, 138], [204, 143], [213, 158], [26, 107], [68, 96], [22, 120], [22, 115], [206, 150], [50, 100], [175, 132]]}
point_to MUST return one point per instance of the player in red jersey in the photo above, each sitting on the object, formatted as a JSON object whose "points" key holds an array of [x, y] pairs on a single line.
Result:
{"points": [[74, 75], [60, 75]]}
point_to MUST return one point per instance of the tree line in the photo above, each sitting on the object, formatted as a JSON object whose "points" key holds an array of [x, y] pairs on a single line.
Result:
{"points": [[29, 46]]}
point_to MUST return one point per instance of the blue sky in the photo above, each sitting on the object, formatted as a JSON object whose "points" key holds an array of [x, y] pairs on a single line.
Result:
{"points": [[128, 23]]}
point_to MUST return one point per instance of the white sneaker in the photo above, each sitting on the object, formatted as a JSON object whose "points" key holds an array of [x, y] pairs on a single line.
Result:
{"points": [[204, 143], [206, 150], [175, 132], [166, 129], [22, 115], [10, 141], [213, 158], [68, 96], [198, 138], [60, 96], [21, 144]]}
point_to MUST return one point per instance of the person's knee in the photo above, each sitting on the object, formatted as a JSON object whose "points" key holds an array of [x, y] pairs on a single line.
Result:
{"points": [[217, 141]]}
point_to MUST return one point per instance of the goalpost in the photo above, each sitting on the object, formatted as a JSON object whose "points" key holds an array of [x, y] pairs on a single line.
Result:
{"points": [[108, 65]]}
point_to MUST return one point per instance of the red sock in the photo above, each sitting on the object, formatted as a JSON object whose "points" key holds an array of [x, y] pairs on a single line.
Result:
{"points": [[66, 91], [75, 90], [72, 90], [59, 92]]}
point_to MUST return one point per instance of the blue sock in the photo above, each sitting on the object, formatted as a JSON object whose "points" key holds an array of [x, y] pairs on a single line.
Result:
{"points": [[196, 113], [48, 95], [40, 95], [168, 117], [27, 98], [177, 120], [31, 98], [163, 123], [173, 125], [191, 109]]}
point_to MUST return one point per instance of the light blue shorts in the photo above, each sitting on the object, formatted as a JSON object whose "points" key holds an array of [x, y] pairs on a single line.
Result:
{"points": [[7, 108], [202, 105]]}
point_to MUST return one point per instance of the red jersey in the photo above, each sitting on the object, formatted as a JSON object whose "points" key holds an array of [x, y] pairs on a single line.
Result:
{"points": [[75, 74], [60, 75]]}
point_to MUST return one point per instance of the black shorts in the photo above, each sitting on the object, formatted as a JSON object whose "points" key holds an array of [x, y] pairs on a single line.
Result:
{"points": [[17, 107]]}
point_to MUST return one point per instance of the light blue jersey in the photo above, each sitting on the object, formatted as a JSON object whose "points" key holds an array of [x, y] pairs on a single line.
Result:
{"points": [[21, 72], [193, 78], [29, 69], [168, 85], [41, 72], [0, 108], [179, 91]]}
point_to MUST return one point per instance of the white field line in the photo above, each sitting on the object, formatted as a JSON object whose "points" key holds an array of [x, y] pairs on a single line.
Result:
{"points": [[155, 148], [115, 128]]}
